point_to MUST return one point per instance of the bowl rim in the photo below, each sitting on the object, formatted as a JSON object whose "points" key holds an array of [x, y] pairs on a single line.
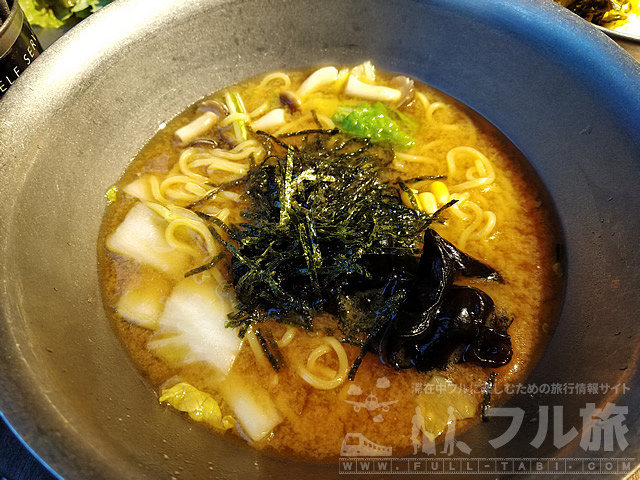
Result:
{"points": [[563, 39]]}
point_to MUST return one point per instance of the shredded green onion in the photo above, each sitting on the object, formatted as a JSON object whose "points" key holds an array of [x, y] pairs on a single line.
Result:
{"points": [[235, 105]]}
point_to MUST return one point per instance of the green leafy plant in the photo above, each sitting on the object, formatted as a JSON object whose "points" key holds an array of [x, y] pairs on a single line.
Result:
{"points": [[58, 13], [599, 12]]}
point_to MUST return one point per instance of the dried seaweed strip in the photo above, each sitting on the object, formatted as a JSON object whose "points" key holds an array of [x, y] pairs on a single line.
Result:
{"points": [[486, 395], [317, 208], [207, 266], [311, 131], [270, 348]]}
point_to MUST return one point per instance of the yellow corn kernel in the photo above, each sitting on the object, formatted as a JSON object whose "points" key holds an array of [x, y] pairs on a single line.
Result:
{"points": [[427, 202], [440, 191], [407, 200]]}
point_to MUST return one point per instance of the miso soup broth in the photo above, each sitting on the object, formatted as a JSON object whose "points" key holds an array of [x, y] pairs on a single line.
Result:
{"points": [[322, 262]]}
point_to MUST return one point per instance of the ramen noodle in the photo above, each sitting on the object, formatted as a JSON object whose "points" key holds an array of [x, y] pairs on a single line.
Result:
{"points": [[230, 341]]}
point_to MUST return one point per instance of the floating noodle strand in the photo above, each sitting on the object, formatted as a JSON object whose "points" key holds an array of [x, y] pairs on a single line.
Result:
{"points": [[455, 208], [401, 161], [182, 180], [220, 164], [234, 117], [325, 121], [480, 168], [233, 196], [422, 98], [431, 117], [297, 124], [242, 151], [339, 376], [258, 111], [196, 189], [197, 225], [490, 223], [154, 187], [156, 191], [475, 225], [288, 336], [485, 167], [482, 221], [480, 173], [224, 214], [405, 157], [170, 235], [312, 364], [275, 76], [187, 157], [434, 144], [177, 217]]}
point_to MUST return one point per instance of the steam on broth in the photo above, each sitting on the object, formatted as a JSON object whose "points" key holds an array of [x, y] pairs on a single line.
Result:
{"points": [[314, 257]]}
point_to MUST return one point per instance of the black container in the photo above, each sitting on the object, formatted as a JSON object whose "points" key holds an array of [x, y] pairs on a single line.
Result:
{"points": [[18, 47]]}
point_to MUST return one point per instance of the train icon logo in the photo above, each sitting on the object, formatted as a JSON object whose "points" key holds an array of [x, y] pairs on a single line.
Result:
{"points": [[357, 445]]}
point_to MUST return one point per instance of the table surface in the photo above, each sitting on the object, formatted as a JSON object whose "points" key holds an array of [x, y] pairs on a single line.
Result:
{"points": [[16, 462], [632, 48]]}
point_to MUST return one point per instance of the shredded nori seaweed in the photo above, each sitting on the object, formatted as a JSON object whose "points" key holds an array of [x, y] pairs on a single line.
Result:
{"points": [[486, 395], [327, 231], [202, 268], [320, 204], [270, 348]]}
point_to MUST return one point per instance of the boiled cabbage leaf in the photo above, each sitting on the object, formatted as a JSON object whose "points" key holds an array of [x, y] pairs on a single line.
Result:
{"points": [[200, 406], [141, 237], [441, 400], [192, 327], [377, 122], [141, 303], [252, 406]]}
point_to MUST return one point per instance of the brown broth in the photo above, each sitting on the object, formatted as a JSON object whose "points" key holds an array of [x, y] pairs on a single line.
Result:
{"points": [[522, 247]]}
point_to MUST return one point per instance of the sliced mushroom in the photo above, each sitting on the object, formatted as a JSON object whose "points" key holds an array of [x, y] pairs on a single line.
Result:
{"points": [[365, 71], [290, 100], [272, 120], [317, 79], [359, 89], [204, 142], [228, 137], [197, 127], [214, 106], [406, 87]]}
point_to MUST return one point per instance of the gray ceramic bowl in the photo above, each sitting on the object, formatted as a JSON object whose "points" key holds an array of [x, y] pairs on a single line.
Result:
{"points": [[563, 92]]}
